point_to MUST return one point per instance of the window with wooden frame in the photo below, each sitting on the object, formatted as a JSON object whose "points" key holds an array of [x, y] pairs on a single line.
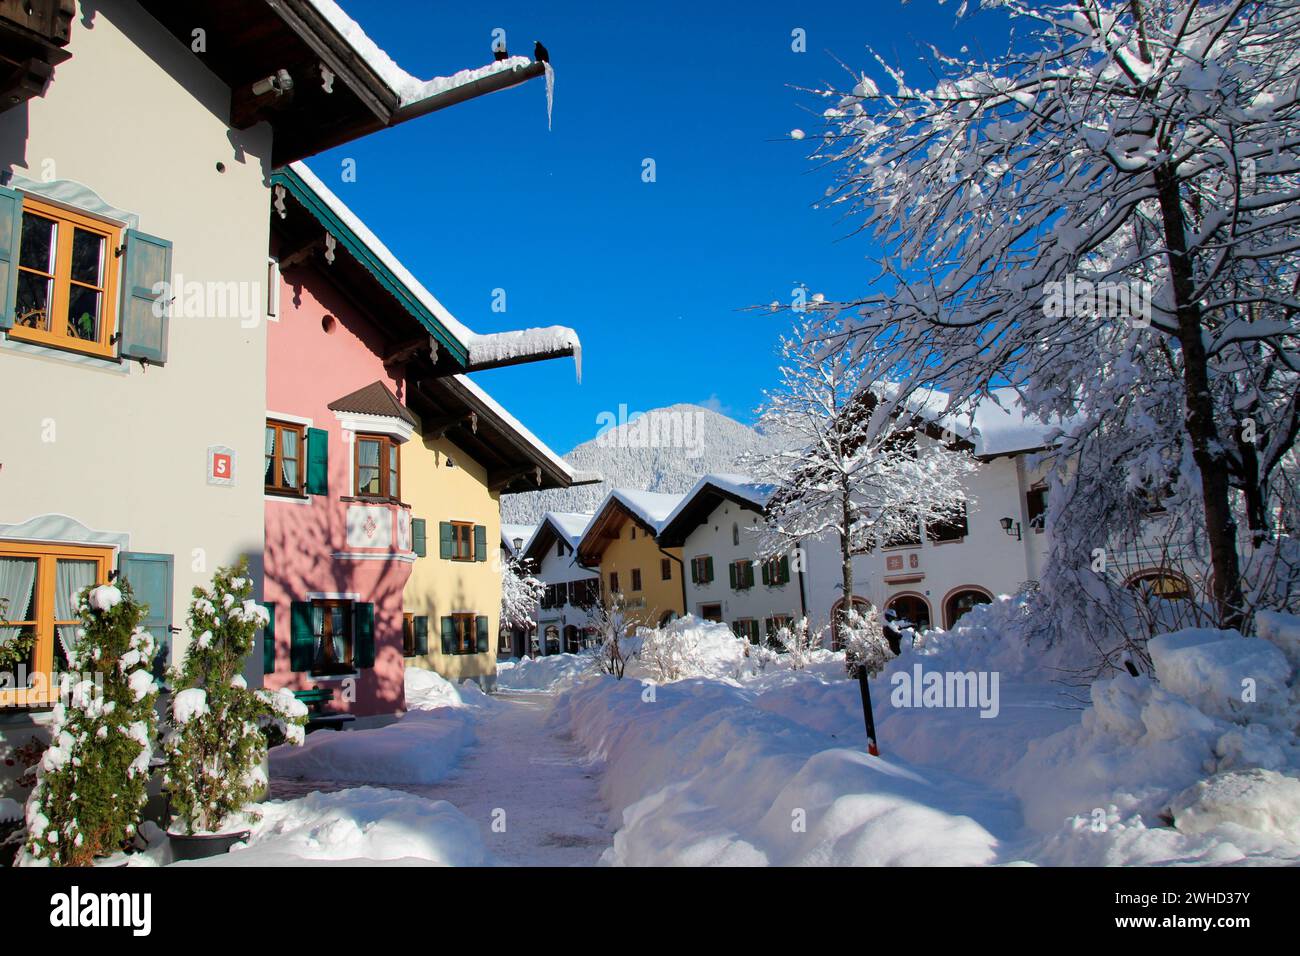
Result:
{"points": [[1036, 505], [408, 634], [332, 624], [462, 541], [948, 529], [38, 619], [666, 569], [742, 575], [285, 442], [67, 280], [376, 468], [746, 628], [702, 569], [636, 579], [613, 582], [465, 631]]}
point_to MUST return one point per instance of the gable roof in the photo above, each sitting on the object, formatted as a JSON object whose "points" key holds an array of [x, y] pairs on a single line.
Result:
{"points": [[509, 532], [647, 508], [373, 399], [709, 492], [566, 526], [1000, 425]]}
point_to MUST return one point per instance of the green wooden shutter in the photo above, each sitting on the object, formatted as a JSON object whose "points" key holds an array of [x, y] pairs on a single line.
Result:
{"points": [[421, 635], [363, 635], [418, 543], [481, 644], [767, 572], [11, 231], [749, 574], [785, 570], [448, 635], [318, 461], [480, 543], [146, 294], [731, 568], [444, 541], [695, 571], [268, 640], [302, 637], [150, 576], [708, 568]]}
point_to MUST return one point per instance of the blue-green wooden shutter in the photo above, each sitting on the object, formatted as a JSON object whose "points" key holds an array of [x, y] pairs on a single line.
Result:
{"points": [[731, 569], [150, 576], [480, 543], [448, 635], [363, 635], [444, 540], [708, 568], [146, 305], [421, 635], [695, 571], [785, 569], [11, 232], [318, 461], [767, 572], [418, 543], [481, 644], [268, 640], [302, 636]]}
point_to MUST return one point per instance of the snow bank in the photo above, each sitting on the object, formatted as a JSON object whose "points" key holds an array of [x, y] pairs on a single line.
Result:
{"points": [[701, 775], [689, 647], [1283, 630], [546, 674], [422, 747], [359, 826], [1222, 673]]}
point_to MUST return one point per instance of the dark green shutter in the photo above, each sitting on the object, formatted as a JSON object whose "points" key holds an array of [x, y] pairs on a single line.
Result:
{"points": [[418, 544], [11, 232], [363, 635], [150, 577], [421, 624], [767, 572], [749, 574], [731, 568], [302, 637], [318, 461], [448, 635], [708, 568], [480, 543], [146, 305], [785, 570], [444, 540], [482, 643], [695, 571], [268, 640]]}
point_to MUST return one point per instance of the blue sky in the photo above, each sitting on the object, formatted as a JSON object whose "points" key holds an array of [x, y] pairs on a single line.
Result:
{"points": [[654, 276]]}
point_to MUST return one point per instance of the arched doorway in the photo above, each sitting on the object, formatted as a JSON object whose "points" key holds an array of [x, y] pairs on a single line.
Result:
{"points": [[1159, 583], [912, 610], [961, 600], [572, 639], [860, 604], [551, 640]]}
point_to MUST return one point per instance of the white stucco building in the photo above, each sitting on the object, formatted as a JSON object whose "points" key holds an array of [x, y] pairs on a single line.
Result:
{"points": [[564, 615]]}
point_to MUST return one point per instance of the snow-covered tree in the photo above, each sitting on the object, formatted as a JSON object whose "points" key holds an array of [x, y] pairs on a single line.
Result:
{"points": [[611, 631], [1107, 218], [90, 784], [864, 640], [846, 466], [217, 746], [520, 593], [798, 640]]}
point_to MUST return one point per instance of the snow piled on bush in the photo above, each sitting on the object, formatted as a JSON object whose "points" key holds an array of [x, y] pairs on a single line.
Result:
{"points": [[547, 674], [364, 825]]}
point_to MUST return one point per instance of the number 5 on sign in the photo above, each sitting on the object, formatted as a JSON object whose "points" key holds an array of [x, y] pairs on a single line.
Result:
{"points": [[221, 465]]}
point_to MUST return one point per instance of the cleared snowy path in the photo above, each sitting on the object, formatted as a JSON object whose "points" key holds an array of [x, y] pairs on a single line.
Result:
{"points": [[533, 794]]}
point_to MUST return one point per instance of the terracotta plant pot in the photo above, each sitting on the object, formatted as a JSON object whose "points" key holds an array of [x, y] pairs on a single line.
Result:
{"points": [[200, 846]]}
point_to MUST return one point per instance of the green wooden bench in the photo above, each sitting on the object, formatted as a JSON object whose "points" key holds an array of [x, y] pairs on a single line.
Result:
{"points": [[319, 718]]}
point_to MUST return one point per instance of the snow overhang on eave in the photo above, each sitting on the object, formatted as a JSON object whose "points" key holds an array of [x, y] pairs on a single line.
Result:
{"points": [[468, 351]]}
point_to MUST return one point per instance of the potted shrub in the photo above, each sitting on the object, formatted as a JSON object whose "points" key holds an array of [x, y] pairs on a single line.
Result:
{"points": [[216, 747], [90, 782]]}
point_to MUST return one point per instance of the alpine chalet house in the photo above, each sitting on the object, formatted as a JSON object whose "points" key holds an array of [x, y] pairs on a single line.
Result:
{"points": [[384, 467], [621, 542], [564, 614], [138, 139], [717, 526]]}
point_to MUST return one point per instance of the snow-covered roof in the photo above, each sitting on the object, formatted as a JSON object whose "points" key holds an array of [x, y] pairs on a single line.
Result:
{"points": [[999, 426], [740, 487], [407, 88], [652, 507], [494, 348], [568, 525], [511, 532]]}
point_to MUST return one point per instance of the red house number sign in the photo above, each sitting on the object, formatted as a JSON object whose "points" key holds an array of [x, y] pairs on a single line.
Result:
{"points": [[221, 465]]}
